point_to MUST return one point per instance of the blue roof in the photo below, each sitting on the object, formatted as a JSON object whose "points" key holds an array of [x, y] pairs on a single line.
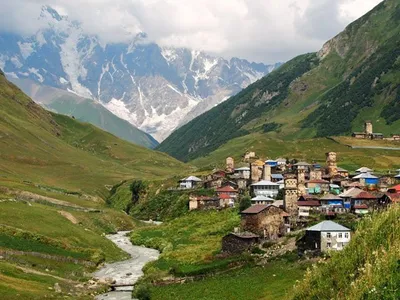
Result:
{"points": [[277, 176]]}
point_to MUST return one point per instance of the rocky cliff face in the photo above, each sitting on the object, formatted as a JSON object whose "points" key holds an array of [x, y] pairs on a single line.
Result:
{"points": [[156, 89]]}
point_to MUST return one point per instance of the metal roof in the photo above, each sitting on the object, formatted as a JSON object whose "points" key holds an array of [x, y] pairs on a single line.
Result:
{"points": [[192, 178], [353, 192], [365, 175], [264, 182], [302, 163], [277, 176], [243, 169], [364, 170], [328, 226], [262, 198]]}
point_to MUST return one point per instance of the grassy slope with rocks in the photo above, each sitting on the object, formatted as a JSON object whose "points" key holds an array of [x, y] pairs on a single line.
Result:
{"points": [[353, 78], [368, 268]]}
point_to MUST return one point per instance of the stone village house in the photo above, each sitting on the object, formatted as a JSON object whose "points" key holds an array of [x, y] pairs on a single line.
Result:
{"points": [[268, 221]]}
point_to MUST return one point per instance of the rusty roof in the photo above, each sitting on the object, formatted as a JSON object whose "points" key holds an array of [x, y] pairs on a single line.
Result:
{"points": [[255, 209], [226, 189], [308, 203], [365, 195]]}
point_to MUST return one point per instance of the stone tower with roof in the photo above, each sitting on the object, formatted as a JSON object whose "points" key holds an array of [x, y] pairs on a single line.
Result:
{"points": [[368, 129], [291, 195], [331, 162]]}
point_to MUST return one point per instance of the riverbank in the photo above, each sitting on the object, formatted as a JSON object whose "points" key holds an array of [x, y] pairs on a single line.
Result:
{"points": [[125, 272]]}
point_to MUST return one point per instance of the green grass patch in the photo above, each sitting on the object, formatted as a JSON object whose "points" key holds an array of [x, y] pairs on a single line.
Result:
{"points": [[273, 281], [189, 243]]}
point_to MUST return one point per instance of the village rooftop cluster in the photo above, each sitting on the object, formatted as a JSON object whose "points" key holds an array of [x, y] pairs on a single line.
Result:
{"points": [[289, 195]]}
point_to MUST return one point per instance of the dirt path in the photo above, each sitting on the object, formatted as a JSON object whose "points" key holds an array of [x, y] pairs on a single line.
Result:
{"points": [[127, 271]]}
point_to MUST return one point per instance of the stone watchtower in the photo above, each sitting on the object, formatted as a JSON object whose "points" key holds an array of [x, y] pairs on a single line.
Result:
{"points": [[290, 197], [267, 172], [230, 165], [301, 182], [368, 128], [331, 163]]}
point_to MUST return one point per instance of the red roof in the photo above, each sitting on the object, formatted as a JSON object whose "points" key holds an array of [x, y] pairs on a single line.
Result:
{"points": [[308, 203], [318, 181], [395, 189], [362, 206], [394, 197], [365, 195], [226, 189], [225, 196]]}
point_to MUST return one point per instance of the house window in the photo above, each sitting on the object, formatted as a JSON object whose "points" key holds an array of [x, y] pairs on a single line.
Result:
{"points": [[340, 235], [328, 235], [346, 235], [328, 245]]}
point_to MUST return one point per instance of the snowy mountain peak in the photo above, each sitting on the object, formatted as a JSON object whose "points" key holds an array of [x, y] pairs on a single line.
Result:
{"points": [[157, 89]]}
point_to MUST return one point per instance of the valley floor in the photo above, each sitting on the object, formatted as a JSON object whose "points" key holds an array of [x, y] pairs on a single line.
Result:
{"points": [[272, 281]]}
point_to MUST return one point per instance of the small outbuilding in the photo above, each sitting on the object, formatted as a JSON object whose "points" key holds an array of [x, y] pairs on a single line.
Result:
{"points": [[236, 243]]}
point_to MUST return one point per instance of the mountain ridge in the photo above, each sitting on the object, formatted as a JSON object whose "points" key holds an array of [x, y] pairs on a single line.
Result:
{"points": [[154, 88], [354, 77]]}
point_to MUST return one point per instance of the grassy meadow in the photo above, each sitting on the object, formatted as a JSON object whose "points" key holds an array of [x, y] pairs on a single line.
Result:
{"points": [[273, 281], [188, 244]]}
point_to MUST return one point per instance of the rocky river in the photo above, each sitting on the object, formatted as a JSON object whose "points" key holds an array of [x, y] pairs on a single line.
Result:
{"points": [[127, 271]]}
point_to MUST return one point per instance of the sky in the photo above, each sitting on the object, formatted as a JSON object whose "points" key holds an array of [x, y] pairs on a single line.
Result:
{"points": [[258, 30]]}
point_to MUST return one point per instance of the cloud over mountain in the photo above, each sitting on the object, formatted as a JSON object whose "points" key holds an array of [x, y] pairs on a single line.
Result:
{"points": [[260, 30]]}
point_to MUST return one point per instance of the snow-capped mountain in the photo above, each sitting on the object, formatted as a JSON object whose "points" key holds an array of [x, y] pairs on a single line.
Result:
{"points": [[156, 89]]}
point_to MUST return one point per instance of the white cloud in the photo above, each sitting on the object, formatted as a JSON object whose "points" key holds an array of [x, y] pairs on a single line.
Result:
{"points": [[260, 30]]}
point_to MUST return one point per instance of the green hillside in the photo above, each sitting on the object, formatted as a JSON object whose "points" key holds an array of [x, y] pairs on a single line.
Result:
{"points": [[85, 110], [55, 174], [354, 77], [55, 150], [368, 268], [311, 150]]}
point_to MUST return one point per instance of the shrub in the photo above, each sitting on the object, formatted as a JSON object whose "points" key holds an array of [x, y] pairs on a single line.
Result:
{"points": [[142, 292], [245, 203]]}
